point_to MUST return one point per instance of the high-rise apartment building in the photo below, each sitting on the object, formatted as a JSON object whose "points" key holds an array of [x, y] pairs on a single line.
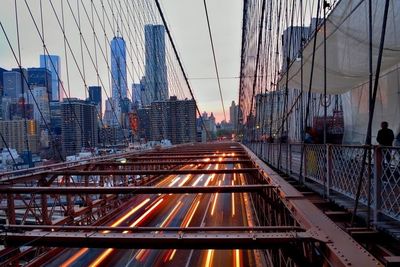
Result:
{"points": [[55, 118], [233, 114], [137, 94], [14, 83], [173, 119], [79, 126], [53, 64], [41, 108], [16, 133], [144, 126], [156, 78], [1, 81], [40, 77], [19, 109]]}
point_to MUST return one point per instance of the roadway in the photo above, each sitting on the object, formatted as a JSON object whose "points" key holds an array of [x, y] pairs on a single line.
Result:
{"points": [[173, 210]]}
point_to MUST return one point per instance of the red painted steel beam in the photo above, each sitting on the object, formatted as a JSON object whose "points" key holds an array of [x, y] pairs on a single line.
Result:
{"points": [[38, 176], [157, 241], [152, 172], [182, 162], [161, 156], [91, 228], [341, 250], [133, 190]]}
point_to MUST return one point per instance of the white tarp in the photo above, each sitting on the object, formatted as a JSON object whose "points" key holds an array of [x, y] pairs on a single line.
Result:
{"points": [[348, 47], [387, 108], [348, 65]]}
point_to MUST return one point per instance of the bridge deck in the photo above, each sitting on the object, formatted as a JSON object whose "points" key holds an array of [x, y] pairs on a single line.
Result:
{"points": [[185, 195]]}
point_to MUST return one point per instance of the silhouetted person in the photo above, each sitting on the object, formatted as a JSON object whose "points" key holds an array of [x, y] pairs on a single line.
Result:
{"points": [[385, 135], [385, 138], [308, 138]]}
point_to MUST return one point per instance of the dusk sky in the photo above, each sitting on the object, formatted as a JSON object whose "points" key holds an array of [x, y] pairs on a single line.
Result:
{"points": [[188, 25]]}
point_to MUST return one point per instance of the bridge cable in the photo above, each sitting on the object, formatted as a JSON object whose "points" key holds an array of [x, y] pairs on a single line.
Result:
{"points": [[214, 57], [181, 66]]}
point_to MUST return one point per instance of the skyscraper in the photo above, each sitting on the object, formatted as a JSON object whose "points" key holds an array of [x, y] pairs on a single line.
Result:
{"points": [[15, 135], [233, 114], [173, 119], [53, 64], [156, 68], [1, 81], [95, 98], [79, 125], [118, 68], [118, 75], [14, 83], [41, 77], [41, 107], [136, 95]]}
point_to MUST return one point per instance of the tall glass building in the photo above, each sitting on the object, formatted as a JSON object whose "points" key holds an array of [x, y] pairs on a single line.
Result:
{"points": [[156, 68], [41, 77], [118, 68], [95, 98], [53, 64], [118, 77]]}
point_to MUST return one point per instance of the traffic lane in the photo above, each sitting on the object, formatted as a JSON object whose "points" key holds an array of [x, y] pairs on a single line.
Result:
{"points": [[200, 180], [173, 203], [83, 256], [189, 205], [225, 213], [77, 257]]}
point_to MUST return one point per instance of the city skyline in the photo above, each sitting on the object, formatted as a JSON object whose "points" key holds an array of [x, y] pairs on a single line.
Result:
{"points": [[188, 37], [156, 76]]}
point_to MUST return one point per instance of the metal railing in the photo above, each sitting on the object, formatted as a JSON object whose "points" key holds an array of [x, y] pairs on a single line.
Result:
{"points": [[338, 168]]}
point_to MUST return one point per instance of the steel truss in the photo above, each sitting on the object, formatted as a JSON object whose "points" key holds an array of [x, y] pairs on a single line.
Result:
{"points": [[290, 229]]}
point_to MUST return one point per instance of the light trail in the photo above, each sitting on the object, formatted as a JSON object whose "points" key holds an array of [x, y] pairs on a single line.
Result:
{"points": [[185, 180], [233, 202], [237, 261], [210, 178], [106, 253], [74, 257], [215, 201], [169, 255], [144, 215], [126, 216], [170, 214], [187, 222], [210, 254], [115, 224], [174, 181], [198, 180], [201, 176], [139, 254], [172, 255]]}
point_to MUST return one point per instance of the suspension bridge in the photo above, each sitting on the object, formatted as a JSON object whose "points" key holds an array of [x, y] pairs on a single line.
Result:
{"points": [[302, 183]]}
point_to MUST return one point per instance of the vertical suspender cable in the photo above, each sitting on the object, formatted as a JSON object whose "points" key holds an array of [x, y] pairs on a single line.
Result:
{"points": [[181, 65], [369, 105], [309, 88], [371, 109], [22, 86], [325, 6], [215, 59]]}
